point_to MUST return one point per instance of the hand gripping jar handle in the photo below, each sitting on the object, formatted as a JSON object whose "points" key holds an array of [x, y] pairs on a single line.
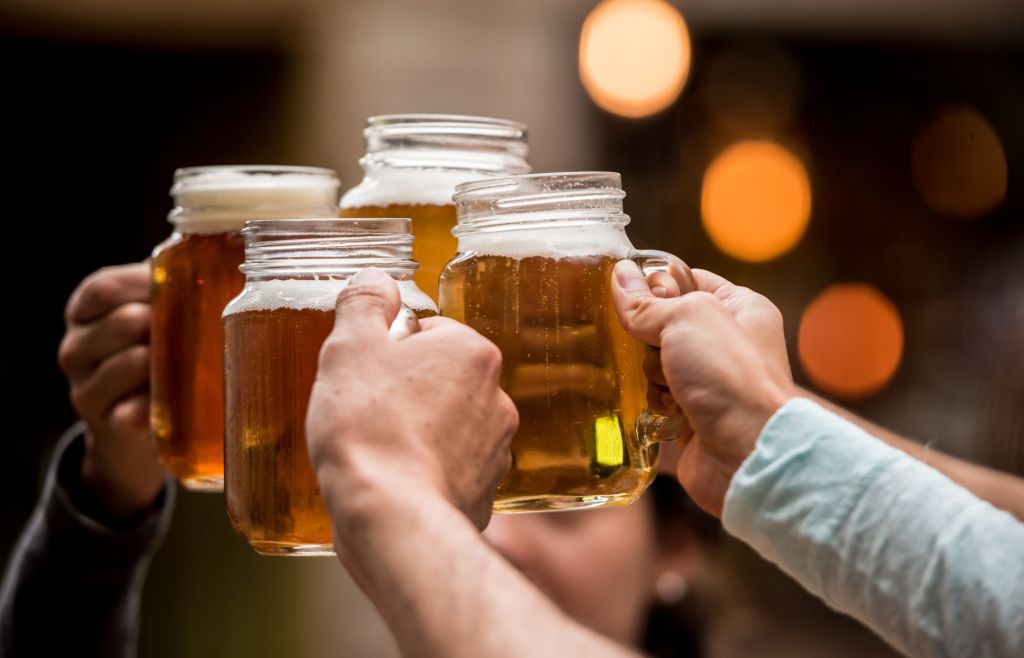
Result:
{"points": [[652, 428]]}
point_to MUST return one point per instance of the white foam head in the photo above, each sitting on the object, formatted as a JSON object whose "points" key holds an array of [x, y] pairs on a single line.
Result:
{"points": [[224, 198], [566, 240], [408, 186], [312, 294]]}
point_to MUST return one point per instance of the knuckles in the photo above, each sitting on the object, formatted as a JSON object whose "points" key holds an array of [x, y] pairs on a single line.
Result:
{"points": [[99, 289]]}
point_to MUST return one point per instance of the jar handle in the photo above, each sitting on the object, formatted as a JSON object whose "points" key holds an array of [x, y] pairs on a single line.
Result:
{"points": [[650, 427], [406, 324]]}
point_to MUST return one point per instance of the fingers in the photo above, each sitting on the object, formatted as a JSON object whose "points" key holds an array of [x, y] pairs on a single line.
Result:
{"points": [[130, 415], [662, 285], [642, 314], [682, 275], [365, 310], [652, 368], [661, 402], [105, 290], [85, 346], [706, 281], [438, 322], [117, 377]]}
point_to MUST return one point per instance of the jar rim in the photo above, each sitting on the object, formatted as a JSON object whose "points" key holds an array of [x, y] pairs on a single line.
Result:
{"points": [[539, 200], [398, 226], [609, 182], [439, 124], [325, 246], [183, 173]]}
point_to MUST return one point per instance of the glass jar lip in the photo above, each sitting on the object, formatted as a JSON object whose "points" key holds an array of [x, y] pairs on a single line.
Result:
{"points": [[393, 125], [183, 173], [542, 199], [547, 183], [397, 226], [327, 246]]}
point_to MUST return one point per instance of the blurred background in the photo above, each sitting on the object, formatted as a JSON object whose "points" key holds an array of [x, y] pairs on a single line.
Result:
{"points": [[860, 162]]}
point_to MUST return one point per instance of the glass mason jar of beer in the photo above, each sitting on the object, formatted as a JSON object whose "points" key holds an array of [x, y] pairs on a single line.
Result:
{"points": [[273, 332], [413, 163], [195, 274], [533, 274]]}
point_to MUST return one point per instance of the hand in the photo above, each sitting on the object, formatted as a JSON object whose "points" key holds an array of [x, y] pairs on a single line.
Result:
{"points": [[723, 358], [396, 421], [105, 355]]}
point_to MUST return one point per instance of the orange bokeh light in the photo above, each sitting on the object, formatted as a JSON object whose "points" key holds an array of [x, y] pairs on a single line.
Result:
{"points": [[850, 340], [756, 200], [958, 164], [634, 56]]}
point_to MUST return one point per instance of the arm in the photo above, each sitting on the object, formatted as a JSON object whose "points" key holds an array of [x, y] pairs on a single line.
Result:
{"points": [[409, 439], [882, 537], [443, 591], [1000, 489], [106, 501], [863, 525], [73, 583]]}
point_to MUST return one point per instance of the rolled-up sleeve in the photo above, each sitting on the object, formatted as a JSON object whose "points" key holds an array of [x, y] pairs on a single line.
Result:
{"points": [[881, 536], [73, 584]]}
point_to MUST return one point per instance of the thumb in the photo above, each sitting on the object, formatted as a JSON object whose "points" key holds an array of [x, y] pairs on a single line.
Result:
{"points": [[642, 314], [368, 305]]}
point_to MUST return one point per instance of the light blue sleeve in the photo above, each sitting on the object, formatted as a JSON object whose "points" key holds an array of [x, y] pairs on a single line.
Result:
{"points": [[881, 536]]}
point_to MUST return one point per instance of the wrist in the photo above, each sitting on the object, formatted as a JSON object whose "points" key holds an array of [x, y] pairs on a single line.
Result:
{"points": [[364, 496], [121, 491]]}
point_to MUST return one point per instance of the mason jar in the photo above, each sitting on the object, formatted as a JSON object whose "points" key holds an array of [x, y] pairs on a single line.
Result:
{"points": [[533, 274], [273, 332], [194, 275], [413, 163]]}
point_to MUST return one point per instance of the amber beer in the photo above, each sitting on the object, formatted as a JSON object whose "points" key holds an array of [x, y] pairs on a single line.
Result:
{"points": [[194, 275], [537, 283], [413, 163], [433, 224], [574, 374], [273, 333]]}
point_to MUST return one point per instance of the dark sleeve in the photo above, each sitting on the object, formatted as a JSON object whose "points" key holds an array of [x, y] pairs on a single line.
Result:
{"points": [[73, 583]]}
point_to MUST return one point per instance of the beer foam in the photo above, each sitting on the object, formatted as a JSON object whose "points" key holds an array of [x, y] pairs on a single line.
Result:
{"points": [[231, 188], [567, 241], [312, 294], [408, 186], [226, 199]]}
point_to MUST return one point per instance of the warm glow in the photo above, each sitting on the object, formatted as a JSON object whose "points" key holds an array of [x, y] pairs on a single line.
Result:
{"points": [[756, 200], [851, 340], [958, 164], [634, 56]]}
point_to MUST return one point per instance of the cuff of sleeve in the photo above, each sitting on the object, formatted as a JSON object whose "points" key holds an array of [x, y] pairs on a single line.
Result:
{"points": [[95, 540], [807, 463]]}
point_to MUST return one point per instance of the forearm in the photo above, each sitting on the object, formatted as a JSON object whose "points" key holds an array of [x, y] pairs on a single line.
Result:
{"points": [[73, 584], [1000, 489], [444, 592], [882, 537]]}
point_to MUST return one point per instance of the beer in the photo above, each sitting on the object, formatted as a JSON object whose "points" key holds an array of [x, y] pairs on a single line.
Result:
{"points": [[273, 333], [540, 289], [413, 163], [194, 275], [432, 224]]}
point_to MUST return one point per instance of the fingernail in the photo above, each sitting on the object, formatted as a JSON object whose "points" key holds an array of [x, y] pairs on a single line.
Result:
{"points": [[659, 291], [629, 276]]}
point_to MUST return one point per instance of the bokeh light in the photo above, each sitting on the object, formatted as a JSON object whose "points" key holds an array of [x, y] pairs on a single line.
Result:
{"points": [[755, 200], [634, 56], [958, 163], [851, 340]]}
